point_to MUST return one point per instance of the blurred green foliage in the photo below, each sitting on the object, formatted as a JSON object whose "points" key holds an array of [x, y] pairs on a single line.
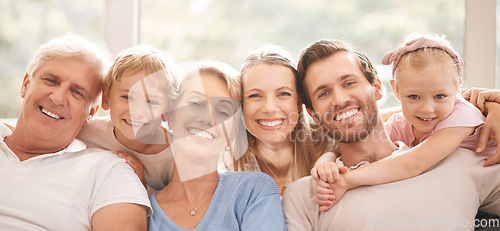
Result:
{"points": [[227, 30], [224, 30]]}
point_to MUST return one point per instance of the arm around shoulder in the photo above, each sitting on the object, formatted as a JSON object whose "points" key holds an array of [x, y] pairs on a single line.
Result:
{"points": [[412, 162]]}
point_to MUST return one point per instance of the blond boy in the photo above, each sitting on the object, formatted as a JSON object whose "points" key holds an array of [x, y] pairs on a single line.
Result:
{"points": [[137, 93]]}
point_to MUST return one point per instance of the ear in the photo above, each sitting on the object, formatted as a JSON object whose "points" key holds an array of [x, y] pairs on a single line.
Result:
{"points": [[26, 80], [104, 99], [394, 88], [92, 112], [313, 115], [378, 89]]}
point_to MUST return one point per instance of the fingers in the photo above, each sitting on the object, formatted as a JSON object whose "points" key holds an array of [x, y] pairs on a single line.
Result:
{"points": [[343, 170], [466, 93], [322, 172], [480, 101], [483, 138], [475, 96], [323, 208], [324, 199], [331, 172], [133, 162], [495, 159], [328, 172], [324, 195], [323, 188], [314, 173]]}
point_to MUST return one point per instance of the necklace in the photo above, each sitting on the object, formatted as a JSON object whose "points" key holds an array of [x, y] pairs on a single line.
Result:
{"points": [[193, 212], [283, 188]]}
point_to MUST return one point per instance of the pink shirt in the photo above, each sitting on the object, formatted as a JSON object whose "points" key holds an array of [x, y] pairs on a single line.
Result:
{"points": [[464, 114]]}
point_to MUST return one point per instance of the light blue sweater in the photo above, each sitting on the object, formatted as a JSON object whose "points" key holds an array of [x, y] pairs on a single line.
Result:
{"points": [[242, 201]]}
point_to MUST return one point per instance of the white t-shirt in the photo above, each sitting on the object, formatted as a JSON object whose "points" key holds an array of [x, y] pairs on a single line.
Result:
{"points": [[158, 168], [446, 197], [62, 190]]}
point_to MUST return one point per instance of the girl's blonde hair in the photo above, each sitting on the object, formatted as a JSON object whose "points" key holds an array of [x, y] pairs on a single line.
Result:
{"points": [[308, 144], [426, 55]]}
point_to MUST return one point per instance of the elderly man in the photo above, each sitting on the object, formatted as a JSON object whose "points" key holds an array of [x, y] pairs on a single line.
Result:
{"points": [[49, 179], [340, 88]]}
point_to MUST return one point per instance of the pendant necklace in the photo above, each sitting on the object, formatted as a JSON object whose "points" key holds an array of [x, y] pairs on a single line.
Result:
{"points": [[283, 188], [193, 212]]}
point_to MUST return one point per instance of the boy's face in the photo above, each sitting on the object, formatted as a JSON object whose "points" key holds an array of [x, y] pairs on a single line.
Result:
{"points": [[136, 106]]}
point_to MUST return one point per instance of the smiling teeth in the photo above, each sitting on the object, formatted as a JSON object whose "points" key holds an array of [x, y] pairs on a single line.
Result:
{"points": [[425, 119], [201, 134], [346, 115], [52, 115], [271, 123], [135, 123]]}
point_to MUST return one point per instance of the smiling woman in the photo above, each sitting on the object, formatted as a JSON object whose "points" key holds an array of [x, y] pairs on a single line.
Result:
{"points": [[205, 126], [283, 141]]}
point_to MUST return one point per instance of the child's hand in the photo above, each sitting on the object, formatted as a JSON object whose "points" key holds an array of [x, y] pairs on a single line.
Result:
{"points": [[478, 97], [134, 163], [491, 128], [327, 195], [324, 196], [327, 172]]}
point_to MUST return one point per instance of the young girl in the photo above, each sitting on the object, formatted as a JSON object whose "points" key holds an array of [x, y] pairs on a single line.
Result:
{"points": [[435, 119]]}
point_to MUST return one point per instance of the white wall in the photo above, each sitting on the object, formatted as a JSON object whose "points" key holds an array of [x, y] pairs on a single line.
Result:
{"points": [[480, 43]]}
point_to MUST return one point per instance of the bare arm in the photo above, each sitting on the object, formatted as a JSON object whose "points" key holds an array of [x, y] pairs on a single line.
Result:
{"points": [[412, 162], [325, 157], [120, 216]]}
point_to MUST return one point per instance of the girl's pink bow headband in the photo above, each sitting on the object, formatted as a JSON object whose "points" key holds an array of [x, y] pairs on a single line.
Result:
{"points": [[422, 42]]}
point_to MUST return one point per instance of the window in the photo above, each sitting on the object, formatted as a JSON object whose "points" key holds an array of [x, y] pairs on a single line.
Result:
{"points": [[25, 25], [228, 30]]}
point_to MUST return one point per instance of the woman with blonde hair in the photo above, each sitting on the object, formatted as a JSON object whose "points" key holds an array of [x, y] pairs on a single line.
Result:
{"points": [[283, 141]]}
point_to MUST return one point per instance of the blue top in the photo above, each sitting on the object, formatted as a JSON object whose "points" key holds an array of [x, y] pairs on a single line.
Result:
{"points": [[241, 201]]}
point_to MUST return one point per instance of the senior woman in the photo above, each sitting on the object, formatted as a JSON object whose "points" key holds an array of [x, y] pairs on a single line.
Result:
{"points": [[204, 125]]}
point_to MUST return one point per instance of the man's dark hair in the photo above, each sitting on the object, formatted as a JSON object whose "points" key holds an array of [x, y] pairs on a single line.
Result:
{"points": [[322, 49]]}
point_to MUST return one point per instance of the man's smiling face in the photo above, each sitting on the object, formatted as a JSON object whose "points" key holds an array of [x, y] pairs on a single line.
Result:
{"points": [[57, 100], [343, 100]]}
